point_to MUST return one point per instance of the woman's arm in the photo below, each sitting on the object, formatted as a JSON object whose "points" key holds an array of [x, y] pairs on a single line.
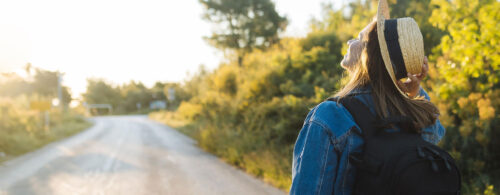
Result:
{"points": [[314, 161]]}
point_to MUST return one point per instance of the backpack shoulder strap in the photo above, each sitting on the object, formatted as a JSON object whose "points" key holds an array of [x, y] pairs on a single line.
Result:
{"points": [[361, 114]]}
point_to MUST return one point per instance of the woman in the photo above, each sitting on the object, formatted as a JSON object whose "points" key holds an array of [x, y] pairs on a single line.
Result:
{"points": [[327, 138]]}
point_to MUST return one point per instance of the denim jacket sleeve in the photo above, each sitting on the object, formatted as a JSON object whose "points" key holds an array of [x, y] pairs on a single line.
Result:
{"points": [[314, 161], [435, 132], [319, 148]]}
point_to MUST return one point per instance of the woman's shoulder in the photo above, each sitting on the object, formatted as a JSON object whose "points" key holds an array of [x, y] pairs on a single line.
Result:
{"points": [[332, 116]]}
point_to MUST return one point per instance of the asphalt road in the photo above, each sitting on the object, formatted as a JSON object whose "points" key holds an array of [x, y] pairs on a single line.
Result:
{"points": [[126, 155]]}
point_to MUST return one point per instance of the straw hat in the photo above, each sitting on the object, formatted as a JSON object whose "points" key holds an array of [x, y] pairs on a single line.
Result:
{"points": [[401, 44]]}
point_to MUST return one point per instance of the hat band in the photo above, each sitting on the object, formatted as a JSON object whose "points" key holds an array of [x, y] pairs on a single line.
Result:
{"points": [[394, 49]]}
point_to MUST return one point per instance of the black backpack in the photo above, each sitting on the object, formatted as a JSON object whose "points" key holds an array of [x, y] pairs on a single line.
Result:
{"points": [[398, 162]]}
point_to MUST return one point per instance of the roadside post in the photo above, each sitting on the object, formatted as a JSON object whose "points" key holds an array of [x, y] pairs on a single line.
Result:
{"points": [[171, 95], [59, 90]]}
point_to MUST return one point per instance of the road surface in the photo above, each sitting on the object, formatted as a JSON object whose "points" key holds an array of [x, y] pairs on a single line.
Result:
{"points": [[126, 155]]}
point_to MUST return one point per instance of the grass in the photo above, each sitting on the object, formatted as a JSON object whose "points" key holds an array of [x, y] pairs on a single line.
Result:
{"points": [[26, 134]]}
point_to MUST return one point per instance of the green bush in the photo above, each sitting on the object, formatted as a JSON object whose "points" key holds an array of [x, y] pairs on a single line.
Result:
{"points": [[465, 85], [22, 130]]}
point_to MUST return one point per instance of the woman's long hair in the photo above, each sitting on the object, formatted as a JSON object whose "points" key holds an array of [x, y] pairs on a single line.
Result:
{"points": [[371, 70]]}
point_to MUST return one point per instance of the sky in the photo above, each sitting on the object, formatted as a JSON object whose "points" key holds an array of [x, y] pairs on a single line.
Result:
{"points": [[119, 40]]}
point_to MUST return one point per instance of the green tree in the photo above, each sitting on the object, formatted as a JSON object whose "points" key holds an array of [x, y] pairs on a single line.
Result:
{"points": [[243, 25], [45, 82], [196, 83], [466, 87], [421, 11], [135, 94], [42, 83], [180, 93], [101, 92], [66, 95], [157, 91]]}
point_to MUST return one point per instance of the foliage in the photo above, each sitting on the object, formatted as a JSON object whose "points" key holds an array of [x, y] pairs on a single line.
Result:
{"points": [[250, 114], [243, 25], [40, 82], [465, 85], [23, 130], [157, 91], [133, 97], [100, 92], [179, 95]]}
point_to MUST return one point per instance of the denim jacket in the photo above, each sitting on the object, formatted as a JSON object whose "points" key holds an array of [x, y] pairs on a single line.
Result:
{"points": [[321, 153]]}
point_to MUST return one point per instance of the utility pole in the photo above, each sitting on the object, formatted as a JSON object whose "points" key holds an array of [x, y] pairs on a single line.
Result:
{"points": [[59, 90], [171, 94]]}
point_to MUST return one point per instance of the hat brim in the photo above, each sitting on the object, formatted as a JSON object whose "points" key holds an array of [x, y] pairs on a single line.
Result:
{"points": [[382, 15]]}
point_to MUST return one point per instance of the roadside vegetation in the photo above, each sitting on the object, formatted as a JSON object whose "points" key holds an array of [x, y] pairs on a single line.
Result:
{"points": [[130, 98], [24, 128], [250, 109]]}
